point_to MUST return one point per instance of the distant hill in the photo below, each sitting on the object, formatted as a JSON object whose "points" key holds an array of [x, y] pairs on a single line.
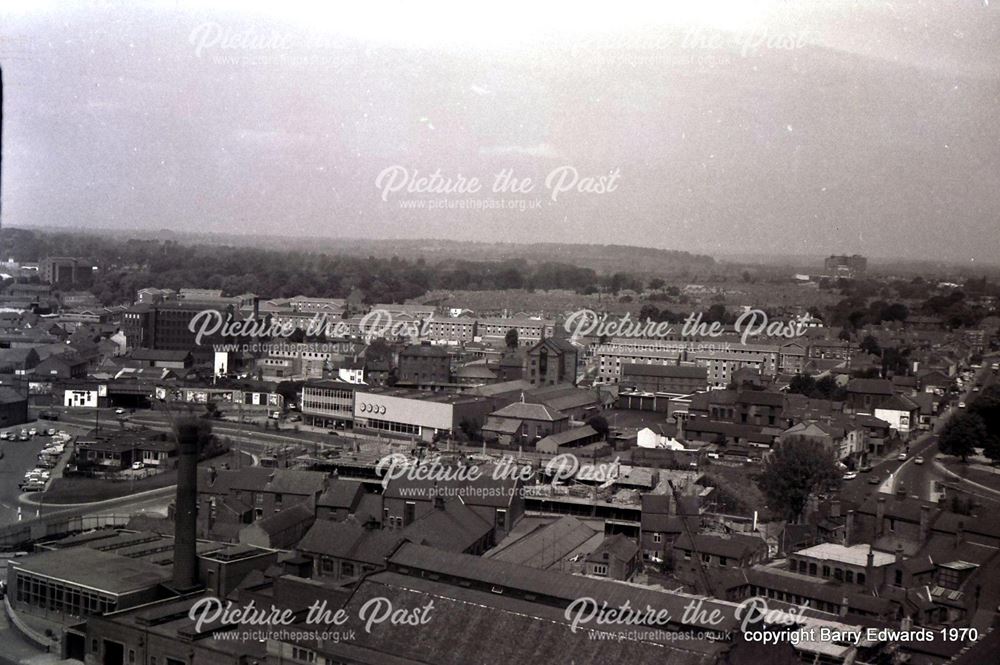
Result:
{"points": [[603, 259]]}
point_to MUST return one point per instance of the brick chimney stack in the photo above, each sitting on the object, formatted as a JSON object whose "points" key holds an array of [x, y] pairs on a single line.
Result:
{"points": [[189, 434]]}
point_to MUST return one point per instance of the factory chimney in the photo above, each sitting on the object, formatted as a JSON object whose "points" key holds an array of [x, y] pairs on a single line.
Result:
{"points": [[190, 434]]}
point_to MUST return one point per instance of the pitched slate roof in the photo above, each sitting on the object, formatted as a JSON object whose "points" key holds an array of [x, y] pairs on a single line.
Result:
{"points": [[734, 546], [618, 546], [529, 411], [870, 386], [341, 493]]}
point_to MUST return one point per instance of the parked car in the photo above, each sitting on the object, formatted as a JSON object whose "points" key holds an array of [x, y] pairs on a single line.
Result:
{"points": [[918, 459], [137, 465], [901, 457], [961, 405], [866, 468], [850, 475], [32, 432], [120, 411], [874, 480], [4, 435]]}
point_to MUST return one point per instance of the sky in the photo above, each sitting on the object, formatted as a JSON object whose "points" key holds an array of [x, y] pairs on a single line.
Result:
{"points": [[716, 126]]}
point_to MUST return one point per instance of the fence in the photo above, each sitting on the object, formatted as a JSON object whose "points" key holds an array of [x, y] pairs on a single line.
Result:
{"points": [[14, 536]]}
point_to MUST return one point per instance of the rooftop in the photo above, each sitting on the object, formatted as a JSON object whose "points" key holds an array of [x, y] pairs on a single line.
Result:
{"points": [[94, 569], [856, 555]]}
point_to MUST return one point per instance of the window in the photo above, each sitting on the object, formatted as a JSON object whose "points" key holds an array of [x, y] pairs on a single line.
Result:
{"points": [[409, 513], [849, 577], [838, 574], [861, 578], [723, 561], [347, 569], [501, 518], [303, 655], [657, 537], [812, 568], [899, 578], [826, 571], [600, 569]]}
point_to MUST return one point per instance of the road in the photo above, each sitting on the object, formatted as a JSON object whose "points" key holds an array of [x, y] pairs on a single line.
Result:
{"points": [[916, 479]]}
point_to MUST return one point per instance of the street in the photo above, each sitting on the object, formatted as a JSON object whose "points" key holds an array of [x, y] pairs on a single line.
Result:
{"points": [[917, 479]]}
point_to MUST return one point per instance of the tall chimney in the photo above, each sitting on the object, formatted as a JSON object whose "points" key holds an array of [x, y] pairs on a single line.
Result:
{"points": [[185, 522], [879, 515], [925, 523]]}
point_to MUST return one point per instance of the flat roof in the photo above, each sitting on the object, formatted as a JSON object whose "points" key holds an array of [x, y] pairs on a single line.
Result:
{"points": [[423, 396], [93, 569], [856, 555]]}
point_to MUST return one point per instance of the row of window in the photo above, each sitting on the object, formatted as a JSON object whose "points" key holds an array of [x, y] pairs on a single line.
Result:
{"points": [[839, 574], [390, 426], [62, 598]]}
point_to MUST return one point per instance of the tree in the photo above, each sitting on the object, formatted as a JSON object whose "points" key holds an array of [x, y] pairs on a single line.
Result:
{"points": [[987, 406], [870, 345], [802, 384], [656, 284], [510, 339], [600, 425], [961, 433], [797, 469]]}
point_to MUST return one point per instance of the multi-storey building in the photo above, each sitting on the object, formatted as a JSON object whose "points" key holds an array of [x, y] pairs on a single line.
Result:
{"points": [[724, 363], [450, 330], [328, 404], [551, 362], [846, 266], [612, 357], [424, 364], [529, 331], [648, 378]]}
